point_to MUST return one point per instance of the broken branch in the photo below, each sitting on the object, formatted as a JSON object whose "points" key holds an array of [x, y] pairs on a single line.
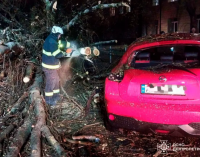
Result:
{"points": [[104, 42], [99, 6], [54, 143]]}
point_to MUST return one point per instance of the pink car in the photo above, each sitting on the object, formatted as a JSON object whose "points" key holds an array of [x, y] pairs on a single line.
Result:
{"points": [[156, 86]]}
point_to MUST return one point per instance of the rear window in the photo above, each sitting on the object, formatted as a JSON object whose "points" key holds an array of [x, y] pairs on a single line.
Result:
{"points": [[167, 55]]}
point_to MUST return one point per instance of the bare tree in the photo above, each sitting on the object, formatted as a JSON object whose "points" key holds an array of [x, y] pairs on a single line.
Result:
{"points": [[191, 8]]}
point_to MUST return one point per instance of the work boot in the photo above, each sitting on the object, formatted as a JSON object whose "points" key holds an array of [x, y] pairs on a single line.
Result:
{"points": [[50, 101], [57, 98]]}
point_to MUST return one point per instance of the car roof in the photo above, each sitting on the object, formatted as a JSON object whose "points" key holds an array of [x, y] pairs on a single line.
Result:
{"points": [[159, 40], [166, 37]]}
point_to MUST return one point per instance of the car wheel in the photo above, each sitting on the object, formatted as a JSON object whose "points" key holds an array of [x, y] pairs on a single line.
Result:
{"points": [[109, 127]]}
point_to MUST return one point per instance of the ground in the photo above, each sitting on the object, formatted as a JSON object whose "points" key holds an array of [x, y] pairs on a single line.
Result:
{"points": [[78, 122], [73, 121]]}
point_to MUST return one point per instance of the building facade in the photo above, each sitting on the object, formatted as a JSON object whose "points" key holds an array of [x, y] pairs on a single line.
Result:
{"points": [[174, 16]]}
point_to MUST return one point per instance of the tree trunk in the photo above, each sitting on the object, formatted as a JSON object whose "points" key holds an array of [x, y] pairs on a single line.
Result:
{"points": [[191, 8]]}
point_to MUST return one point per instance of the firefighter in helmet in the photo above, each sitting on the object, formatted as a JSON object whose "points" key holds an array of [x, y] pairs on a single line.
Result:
{"points": [[50, 64]]}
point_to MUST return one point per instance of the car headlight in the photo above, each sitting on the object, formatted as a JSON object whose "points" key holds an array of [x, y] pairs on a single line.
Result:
{"points": [[116, 77]]}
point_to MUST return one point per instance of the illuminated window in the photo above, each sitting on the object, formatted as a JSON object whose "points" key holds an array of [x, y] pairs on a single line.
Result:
{"points": [[155, 2], [172, 0], [112, 11]]}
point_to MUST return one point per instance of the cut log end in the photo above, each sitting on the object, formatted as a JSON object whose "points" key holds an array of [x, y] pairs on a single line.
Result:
{"points": [[96, 52], [26, 79], [87, 51]]}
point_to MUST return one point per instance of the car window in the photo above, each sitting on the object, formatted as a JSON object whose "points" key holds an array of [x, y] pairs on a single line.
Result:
{"points": [[171, 54]]}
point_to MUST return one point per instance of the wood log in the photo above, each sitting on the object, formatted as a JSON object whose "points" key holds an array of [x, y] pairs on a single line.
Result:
{"points": [[54, 143], [37, 85], [40, 116], [20, 138], [29, 73], [95, 51], [36, 132], [4, 135], [85, 51], [41, 122]]}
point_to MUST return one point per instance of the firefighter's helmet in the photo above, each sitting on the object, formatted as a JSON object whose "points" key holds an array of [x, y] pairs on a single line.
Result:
{"points": [[56, 29]]}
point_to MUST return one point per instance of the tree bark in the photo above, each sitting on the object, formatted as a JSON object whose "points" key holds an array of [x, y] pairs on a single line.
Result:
{"points": [[36, 87], [50, 138], [20, 138], [4, 135], [36, 132], [17, 105], [40, 116]]}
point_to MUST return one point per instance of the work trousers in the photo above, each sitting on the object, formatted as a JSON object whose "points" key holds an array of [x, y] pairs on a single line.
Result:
{"points": [[52, 89]]}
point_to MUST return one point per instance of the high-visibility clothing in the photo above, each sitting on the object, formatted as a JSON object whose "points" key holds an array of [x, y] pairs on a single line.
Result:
{"points": [[51, 52], [63, 44], [52, 86], [50, 62]]}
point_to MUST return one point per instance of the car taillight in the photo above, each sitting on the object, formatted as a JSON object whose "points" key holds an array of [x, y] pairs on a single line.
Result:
{"points": [[116, 77], [111, 117]]}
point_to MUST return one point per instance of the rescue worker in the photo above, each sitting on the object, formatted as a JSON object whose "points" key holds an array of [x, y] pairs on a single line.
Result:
{"points": [[50, 64]]}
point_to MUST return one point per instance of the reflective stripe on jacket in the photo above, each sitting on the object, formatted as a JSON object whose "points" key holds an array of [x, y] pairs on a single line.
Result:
{"points": [[51, 52]]}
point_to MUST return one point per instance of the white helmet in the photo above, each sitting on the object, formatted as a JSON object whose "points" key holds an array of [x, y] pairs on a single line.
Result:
{"points": [[56, 29]]}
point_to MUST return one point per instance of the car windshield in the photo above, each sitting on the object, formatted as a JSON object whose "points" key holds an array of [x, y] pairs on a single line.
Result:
{"points": [[170, 56]]}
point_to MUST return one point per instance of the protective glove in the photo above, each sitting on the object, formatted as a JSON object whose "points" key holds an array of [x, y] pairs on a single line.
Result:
{"points": [[68, 50]]}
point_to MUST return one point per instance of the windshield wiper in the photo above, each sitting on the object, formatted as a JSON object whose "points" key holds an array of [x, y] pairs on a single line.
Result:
{"points": [[161, 65], [183, 68]]}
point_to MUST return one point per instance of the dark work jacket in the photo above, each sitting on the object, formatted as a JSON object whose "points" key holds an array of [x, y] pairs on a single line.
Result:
{"points": [[51, 52]]}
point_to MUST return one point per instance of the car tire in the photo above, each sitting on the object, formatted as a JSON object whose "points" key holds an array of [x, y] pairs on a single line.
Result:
{"points": [[109, 127]]}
